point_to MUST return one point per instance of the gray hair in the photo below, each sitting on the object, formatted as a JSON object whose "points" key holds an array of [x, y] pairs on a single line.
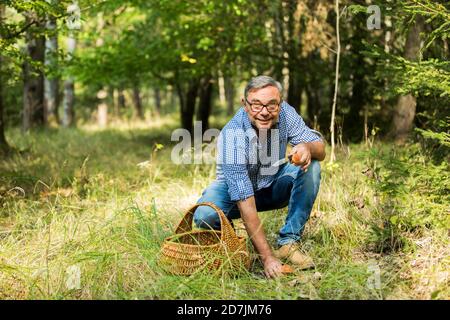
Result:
{"points": [[260, 82]]}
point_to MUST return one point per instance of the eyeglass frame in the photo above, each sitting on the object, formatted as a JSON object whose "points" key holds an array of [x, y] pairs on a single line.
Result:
{"points": [[263, 105]]}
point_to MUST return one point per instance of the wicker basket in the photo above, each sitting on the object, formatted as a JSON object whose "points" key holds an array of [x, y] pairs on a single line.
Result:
{"points": [[190, 251]]}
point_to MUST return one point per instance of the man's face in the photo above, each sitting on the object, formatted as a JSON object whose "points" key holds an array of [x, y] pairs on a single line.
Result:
{"points": [[267, 96]]}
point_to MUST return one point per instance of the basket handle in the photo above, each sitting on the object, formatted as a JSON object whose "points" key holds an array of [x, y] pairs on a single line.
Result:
{"points": [[227, 234]]}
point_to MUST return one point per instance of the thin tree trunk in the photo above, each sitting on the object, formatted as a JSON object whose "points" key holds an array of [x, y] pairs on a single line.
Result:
{"points": [[221, 82], [51, 82], [115, 98], [205, 104], [120, 99], [293, 49], [69, 88], [295, 89], [68, 103], [405, 109], [111, 100], [173, 97], [229, 94], [336, 84], [157, 96], [356, 116], [138, 102], [366, 125], [102, 108], [33, 89], [4, 147], [279, 37], [313, 104], [446, 50], [187, 104], [357, 101]]}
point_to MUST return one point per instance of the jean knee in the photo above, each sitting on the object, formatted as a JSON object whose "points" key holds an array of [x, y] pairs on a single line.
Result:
{"points": [[312, 176], [314, 173], [206, 218], [314, 167]]}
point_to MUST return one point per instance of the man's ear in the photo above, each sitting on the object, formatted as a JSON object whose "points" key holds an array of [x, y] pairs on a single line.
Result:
{"points": [[244, 105]]}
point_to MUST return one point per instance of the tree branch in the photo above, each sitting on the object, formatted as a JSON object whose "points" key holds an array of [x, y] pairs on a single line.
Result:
{"points": [[18, 33]]}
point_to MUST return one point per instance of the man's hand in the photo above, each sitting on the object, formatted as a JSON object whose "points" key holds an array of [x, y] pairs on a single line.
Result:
{"points": [[272, 267], [301, 156], [303, 153]]}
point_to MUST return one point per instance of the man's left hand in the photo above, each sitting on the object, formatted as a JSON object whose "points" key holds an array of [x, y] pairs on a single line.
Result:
{"points": [[302, 156]]}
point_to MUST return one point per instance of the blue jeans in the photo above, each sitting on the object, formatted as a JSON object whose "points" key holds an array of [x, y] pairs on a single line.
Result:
{"points": [[291, 187]]}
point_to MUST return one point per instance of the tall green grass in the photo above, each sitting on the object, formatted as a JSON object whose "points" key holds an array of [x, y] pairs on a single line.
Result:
{"points": [[77, 197]]}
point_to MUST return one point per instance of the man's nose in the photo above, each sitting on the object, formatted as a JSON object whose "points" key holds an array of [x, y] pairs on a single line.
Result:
{"points": [[264, 111]]}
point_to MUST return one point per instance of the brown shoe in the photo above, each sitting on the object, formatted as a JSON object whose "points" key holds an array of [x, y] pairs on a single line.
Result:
{"points": [[292, 253]]}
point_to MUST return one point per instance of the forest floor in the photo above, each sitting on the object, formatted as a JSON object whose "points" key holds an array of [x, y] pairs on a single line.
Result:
{"points": [[75, 201]]}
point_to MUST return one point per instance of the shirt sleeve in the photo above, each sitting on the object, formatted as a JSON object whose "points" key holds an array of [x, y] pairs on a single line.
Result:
{"points": [[298, 131], [233, 157]]}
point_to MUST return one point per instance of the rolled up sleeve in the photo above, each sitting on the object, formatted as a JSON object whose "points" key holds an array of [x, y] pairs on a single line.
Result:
{"points": [[233, 157], [239, 185]]}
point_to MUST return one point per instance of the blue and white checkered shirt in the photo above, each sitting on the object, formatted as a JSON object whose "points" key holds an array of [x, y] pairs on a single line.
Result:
{"points": [[245, 162]]}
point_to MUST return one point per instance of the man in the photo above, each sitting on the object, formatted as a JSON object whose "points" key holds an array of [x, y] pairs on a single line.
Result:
{"points": [[249, 179]]}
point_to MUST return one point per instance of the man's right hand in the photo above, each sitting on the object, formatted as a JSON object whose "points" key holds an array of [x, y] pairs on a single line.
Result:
{"points": [[272, 267]]}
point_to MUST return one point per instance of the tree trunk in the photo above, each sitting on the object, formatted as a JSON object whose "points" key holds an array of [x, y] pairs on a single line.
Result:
{"points": [[205, 105], [33, 88], [221, 85], [102, 115], [102, 108], [294, 62], [138, 102], [279, 38], [356, 116], [157, 96], [229, 94], [336, 83], [313, 104], [187, 104], [112, 100], [295, 89], [120, 99], [173, 97], [404, 114], [354, 119], [405, 109], [69, 88], [50, 82], [68, 103], [4, 147]]}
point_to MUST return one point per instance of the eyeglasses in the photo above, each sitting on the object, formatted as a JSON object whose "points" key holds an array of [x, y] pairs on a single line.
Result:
{"points": [[258, 106]]}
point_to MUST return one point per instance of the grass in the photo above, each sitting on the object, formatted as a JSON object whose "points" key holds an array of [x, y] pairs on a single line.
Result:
{"points": [[76, 199]]}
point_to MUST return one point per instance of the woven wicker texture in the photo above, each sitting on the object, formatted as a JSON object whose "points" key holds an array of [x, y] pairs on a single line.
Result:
{"points": [[189, 251]]}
